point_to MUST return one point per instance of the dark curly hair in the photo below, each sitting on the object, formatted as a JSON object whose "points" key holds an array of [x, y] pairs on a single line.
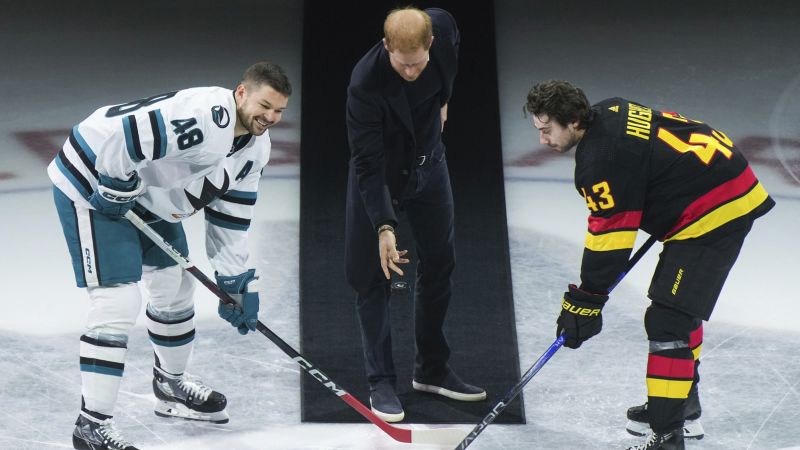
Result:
{"points": [[561, 101]]}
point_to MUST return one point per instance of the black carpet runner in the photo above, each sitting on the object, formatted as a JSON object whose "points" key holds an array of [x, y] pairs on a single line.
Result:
{"points": [[480, 324]]}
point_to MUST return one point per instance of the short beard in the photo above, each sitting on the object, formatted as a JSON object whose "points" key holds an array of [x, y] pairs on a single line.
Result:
{"points": [[573, 142], [239, 116]]}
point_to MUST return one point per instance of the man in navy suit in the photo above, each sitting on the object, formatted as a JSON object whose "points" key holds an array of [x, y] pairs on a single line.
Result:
{"points": [[396, 110]]}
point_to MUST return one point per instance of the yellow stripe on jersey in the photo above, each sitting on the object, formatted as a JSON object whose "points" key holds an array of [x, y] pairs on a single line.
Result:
{"points": [[657, 387], [723, 214], [696, 352], [617, 240]]}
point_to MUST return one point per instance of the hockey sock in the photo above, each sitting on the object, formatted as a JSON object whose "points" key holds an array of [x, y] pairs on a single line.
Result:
{"points": [[102, 360], [172, 337], [670, 374], [170, 315]]}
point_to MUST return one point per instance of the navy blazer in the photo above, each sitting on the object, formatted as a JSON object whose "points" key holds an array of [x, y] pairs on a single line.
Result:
{"points": [[379, 124]]}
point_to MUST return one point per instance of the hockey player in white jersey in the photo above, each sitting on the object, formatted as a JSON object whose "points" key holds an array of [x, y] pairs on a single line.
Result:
{"points": [[167, 156]]}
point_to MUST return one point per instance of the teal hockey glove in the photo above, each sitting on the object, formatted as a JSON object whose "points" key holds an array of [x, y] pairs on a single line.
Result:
{"points": [[113, 197], [243, 288]]}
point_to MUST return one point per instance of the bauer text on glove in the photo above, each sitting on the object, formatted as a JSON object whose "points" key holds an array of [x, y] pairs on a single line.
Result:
{"points": [[581, 316]]}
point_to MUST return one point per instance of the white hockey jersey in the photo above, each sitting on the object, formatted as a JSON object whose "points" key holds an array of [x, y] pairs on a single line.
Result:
{"points": [[182, 145]]}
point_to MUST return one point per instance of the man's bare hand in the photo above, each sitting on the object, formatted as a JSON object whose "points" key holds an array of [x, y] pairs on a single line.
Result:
{"points": [[390, 256]]}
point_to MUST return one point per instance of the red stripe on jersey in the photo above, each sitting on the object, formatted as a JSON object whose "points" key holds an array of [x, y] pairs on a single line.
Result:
{"points": [[715, 197], [696, 337], [662, 366], [629, 219]]}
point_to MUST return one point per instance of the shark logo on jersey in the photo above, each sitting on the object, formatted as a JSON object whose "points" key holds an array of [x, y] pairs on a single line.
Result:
{"points": [[220, 116], [208, 193]]}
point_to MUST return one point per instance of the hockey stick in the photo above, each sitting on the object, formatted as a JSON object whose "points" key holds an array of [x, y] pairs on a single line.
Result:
{"points": [[436, 436], [499, 407]]}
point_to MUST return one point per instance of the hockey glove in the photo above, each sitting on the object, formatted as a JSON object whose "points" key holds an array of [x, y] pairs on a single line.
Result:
{"points": [[113, 197], [581, 316], [244, 289]]}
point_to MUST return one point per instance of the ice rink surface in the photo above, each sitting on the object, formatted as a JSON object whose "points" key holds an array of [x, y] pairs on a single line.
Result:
{"points": [[734, 67]]}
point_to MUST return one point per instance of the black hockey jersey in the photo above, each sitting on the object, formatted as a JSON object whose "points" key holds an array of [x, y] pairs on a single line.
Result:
{"points": [[673, 177]]}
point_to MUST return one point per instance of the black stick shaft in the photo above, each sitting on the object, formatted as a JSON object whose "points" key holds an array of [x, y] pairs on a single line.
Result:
{"points": [[400, 434]]}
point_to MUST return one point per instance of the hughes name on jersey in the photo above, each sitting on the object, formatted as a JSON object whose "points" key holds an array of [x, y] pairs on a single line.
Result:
{"points": [[673, 177], [182, 145]]}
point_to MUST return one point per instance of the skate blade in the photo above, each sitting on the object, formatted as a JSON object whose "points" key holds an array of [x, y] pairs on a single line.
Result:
{"points": [[637, 428], [171, 409], [692, 429]]}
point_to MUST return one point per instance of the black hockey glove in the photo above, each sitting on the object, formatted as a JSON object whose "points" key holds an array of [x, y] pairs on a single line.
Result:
{"points": [[581, 316]]}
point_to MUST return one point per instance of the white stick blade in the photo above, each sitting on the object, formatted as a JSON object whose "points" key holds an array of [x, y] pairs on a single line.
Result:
{"points": [[448, 437]]}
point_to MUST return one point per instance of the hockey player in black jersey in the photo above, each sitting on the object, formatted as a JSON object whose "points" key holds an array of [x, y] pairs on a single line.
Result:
{"points": [[677, 179]]}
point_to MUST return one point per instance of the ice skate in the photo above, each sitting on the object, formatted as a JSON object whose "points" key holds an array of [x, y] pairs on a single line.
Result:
{"points": [[185, 396], [93, 434], [672, 440], [639, 422]]}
